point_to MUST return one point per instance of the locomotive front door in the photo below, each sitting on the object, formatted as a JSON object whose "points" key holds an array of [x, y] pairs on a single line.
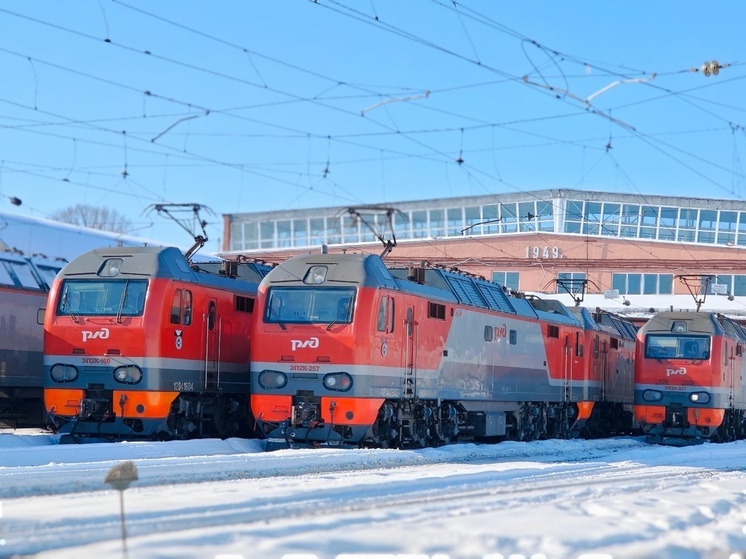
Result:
{"points": [[212, 345], [410, 355]]}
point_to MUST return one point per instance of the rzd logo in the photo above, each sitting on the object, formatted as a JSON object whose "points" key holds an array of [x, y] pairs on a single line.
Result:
{"points": [[102, 334], [672, 372], [311, 342]]}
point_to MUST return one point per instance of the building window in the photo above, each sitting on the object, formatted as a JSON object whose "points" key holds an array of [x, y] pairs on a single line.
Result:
{"points": [[317, 231], [526, 216], [333, 230], [249, 236], [630, 220], [300, 233], [634, 284], [643, 284], [283, 234], [739, 286], [350, 229], [419, 224], [380, 222], [573, 216], [508, 279], [570, 282], [687, 225], [741, 240], [719, 285], [707, 226], [455, 221], [437, 223], [665, 284], [401, 225], [610, 223], [592, 225], [237, 241], [491, 220], [667, 225], [727, 228], [508, 218], [473, 217], [648, 222], [267, 234], [545, 215], [589, 217]]}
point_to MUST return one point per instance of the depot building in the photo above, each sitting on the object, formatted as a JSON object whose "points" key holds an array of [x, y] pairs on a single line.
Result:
{"points": [[627, 253]]}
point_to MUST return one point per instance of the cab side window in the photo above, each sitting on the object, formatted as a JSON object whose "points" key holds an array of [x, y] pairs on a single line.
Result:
{"points": [[187, 307], [176, 308], [382, 308]]}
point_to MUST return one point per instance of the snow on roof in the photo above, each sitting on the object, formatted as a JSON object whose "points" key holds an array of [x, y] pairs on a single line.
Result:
{"points": [[645, 306]]}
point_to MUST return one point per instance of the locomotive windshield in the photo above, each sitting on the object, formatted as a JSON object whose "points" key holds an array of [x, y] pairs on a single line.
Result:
{"points": [[102, 297], [307, 305], [677, 347]]}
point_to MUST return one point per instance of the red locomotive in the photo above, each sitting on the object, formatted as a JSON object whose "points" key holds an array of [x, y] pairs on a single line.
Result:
{"points": [[689, 375], [140, 342], [349, 351]]}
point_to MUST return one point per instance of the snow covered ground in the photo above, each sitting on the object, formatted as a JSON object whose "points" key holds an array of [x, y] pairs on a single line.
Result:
{"points": [[601, 499]]}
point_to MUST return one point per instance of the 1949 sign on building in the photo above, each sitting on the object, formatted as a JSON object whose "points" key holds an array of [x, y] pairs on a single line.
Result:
{"points": [[543, 252]]}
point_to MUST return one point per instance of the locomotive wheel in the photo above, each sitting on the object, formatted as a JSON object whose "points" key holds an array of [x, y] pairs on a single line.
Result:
{"points": [[529, 424], [385, 432], [512, 427]]}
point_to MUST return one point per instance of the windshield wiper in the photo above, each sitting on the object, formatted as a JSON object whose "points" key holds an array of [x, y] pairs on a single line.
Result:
{"points": [[121, 301], [63, 307], [341, 316], [273, 312]]}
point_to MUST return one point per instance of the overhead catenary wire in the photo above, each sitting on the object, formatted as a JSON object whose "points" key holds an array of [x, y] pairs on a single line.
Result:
{"points": [[473, 172]]}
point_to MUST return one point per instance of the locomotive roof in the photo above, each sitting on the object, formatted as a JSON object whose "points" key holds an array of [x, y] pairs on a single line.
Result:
{"points": [[438, 284], [150, 262], [697, 322], [627, 328], [604, 322], [249, 271], [349, 269]]}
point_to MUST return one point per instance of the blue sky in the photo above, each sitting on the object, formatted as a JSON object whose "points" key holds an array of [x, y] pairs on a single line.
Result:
{"points": [[247, 106]]}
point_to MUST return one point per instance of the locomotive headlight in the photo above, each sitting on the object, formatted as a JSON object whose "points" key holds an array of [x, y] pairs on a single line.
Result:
{"points": [[652, 395], [63, 373], [699, 397], [129, 374], [315, 275], [341, 382], [272, 379]]}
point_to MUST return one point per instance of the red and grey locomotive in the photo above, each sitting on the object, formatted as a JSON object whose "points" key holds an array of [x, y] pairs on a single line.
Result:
{"points": [[140, 342], [349, 351]]}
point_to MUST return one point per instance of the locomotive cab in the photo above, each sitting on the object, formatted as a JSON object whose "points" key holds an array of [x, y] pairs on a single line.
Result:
{"points": [[689, 379], [140, 344]]}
